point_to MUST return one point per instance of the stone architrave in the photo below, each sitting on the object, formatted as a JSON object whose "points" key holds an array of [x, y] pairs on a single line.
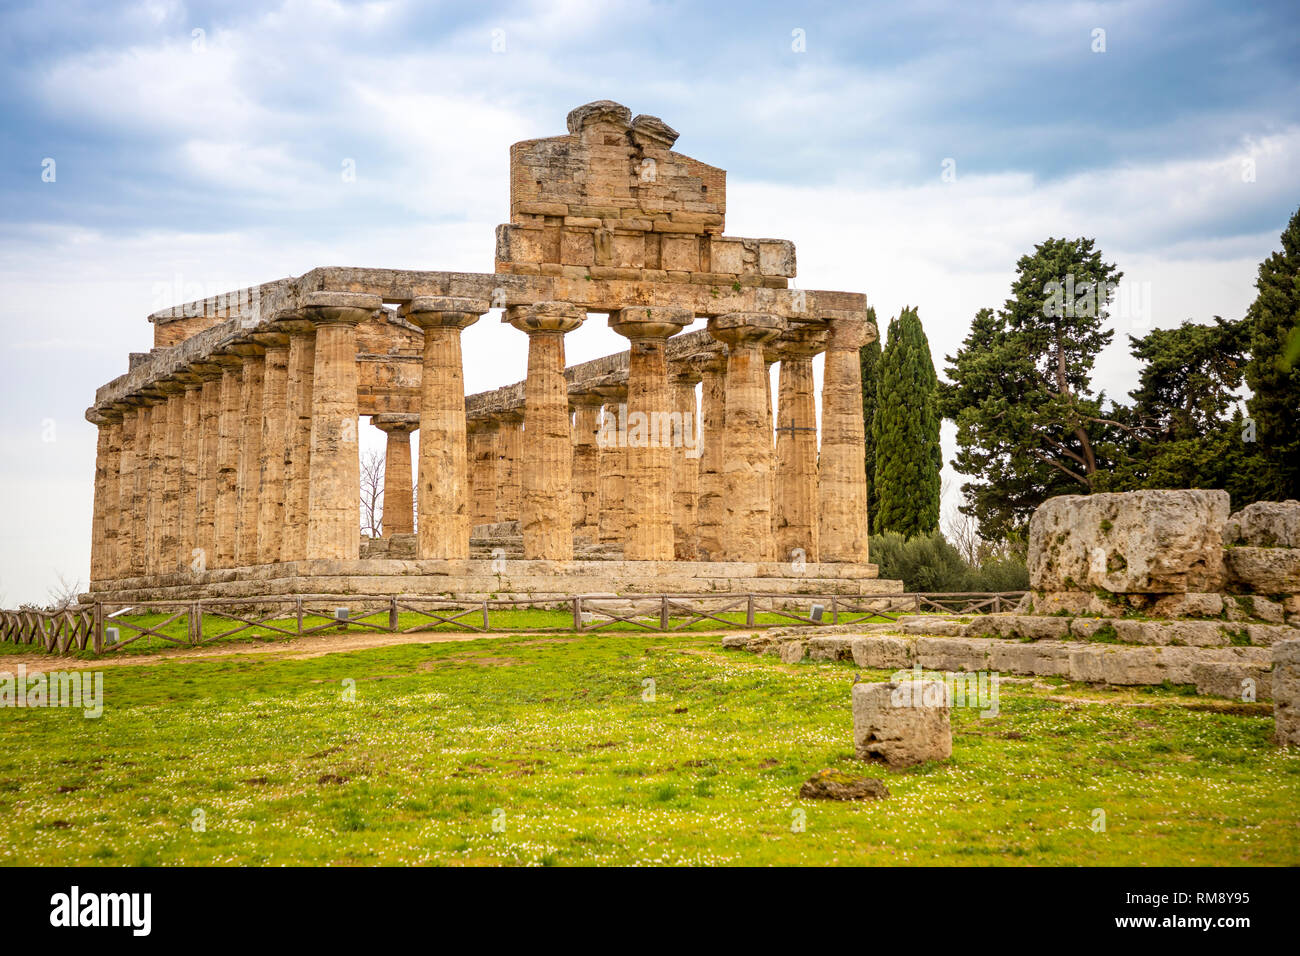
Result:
{"points": [[747, 445], [650, 405], [586, 466], [399, 509], [842, 471], [710, 512], [444, 500], [334, 498], [797, 531], [546, 509], [686, 462]]}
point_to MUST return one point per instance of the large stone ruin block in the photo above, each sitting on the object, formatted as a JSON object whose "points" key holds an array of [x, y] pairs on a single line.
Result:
{"points": [[1286, 693], [902, 723], [1143, 542]]}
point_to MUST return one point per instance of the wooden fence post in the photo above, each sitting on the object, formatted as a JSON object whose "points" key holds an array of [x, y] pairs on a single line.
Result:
{"points": [[577, 612], [749, 610], [392, 614]]}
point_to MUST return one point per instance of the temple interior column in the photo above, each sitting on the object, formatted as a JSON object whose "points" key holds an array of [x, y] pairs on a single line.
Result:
{"points": [[155, 480], [126, 492], [796, 448], [225, 506], [842, 479], [169, 537], [747, 446], [586, 466], [486, 462], [250, 453], [334, 502], [275, 432], [108, 453], [510, 445], [399, 508], [134, 491], [612, 461], [686, 462], [650, 405], [546, 509], [711, 503], [301, 366]]}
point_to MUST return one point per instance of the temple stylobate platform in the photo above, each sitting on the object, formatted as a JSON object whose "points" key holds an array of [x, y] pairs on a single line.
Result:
{"points": [[228, 455]]}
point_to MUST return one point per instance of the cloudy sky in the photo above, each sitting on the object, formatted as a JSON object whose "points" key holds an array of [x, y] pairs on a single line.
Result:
{"points": [[156, 151]]}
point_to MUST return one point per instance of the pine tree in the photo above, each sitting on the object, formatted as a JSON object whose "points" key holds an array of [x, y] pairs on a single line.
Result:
{"points": [[1273, 372], [905, 432], [869, 359]]}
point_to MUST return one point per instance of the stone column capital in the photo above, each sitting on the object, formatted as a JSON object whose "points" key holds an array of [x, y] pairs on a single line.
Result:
{"points": [[802, 341], [206, 371], [847, 330], [339, 308], [650, 322], [511, 416], [396, 422], [558, 317], [586, 398], [611, 392], [746, 329], [247, 351], [271, 341], [443, 311], [103, 416], [169, 386]]}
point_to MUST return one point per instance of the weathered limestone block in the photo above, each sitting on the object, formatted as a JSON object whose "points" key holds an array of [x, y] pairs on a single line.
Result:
{"points": [[399, 509], [746, 533], [831, 784], [1237, 680], [334, 471], [841, 475], [1192, 604], [797, 529], [953, 653], [902, 724], [1118, 664], [830, 648], [1025, 626], [1263, 570], [883, 652], [1161, 542], [1039, 658], [447, 509], [932, 626], [792, 652], [1267, 635], [1286, 693], [650, 405], [546, 511], [1265, 524]]}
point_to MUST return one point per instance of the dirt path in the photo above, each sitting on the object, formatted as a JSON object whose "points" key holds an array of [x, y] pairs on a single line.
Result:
{"points": [[296, 649]]}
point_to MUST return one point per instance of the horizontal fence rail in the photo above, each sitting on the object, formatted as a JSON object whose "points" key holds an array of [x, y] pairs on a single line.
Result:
{"points": [[103, 628]]}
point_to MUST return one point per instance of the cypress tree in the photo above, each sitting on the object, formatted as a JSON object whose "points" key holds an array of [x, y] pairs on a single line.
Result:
{"points": [[905, 432], [1273, 372], [869, 359]]}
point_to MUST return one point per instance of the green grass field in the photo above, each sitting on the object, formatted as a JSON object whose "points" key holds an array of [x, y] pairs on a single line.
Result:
{"points": [[544, 750]]}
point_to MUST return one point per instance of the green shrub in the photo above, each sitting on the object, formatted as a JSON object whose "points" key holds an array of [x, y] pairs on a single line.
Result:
{"points": [[930, 563]]}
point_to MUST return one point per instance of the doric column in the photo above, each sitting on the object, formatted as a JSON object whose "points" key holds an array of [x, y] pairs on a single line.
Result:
{"points": [[842, 479], [155, 480], [399, 509], [334, 503], [226, 510], [650, 404], [191, 452], [486, 464], [169, 538], [796, 447], [446, 509], [612, 460], [297, 443], [108, 462], [250, 453], [710, 510], [275, 432], [747, 446], [686, 461], [130, 557], [586, 466], [771, 355], [510, 440], [546, 509], [209, 438]]}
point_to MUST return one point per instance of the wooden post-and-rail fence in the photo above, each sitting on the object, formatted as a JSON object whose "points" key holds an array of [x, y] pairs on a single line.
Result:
{"points": [[103, 628]]}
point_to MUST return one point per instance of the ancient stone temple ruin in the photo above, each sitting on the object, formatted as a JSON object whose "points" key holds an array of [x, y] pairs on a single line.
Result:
{"points": [[227, 457]]}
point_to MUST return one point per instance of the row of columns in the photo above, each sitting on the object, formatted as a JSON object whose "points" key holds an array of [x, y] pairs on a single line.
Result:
{"points": [[250, 456]]}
